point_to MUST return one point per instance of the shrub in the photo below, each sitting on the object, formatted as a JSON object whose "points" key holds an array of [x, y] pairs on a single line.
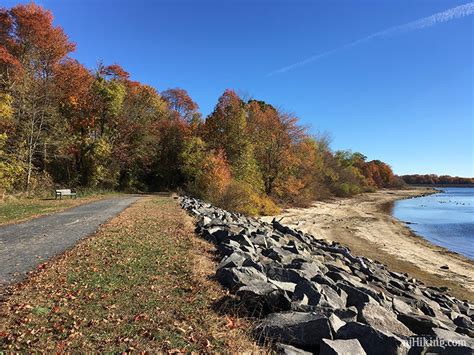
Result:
{"points": [[347, 189], [268, 207], [216, 177], [241, 197]]}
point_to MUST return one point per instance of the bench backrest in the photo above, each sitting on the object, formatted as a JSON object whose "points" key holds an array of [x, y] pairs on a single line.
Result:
{"points": [[63, 191]]}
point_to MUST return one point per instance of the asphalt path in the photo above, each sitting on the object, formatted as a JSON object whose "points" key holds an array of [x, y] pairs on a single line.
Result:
{"points": [[23, 246]]}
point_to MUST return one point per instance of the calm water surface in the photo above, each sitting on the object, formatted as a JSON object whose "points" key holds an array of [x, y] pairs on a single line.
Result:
{"points": [[445, 219]]}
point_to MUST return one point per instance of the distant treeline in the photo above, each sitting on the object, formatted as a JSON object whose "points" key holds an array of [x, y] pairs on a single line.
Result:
{"points": [[432, 179], [62, 124]]}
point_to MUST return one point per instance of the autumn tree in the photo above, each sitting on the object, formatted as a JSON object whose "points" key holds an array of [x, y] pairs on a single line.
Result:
{"points": [[180, 102], [272, 133], [138, 134], [75, 97], [304, 178], [10, 167], [379, 174], [33, 48], [207, 172], [173, 132], [225, 128]]}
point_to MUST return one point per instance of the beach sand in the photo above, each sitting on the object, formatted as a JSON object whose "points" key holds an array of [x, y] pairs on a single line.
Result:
{"points": [[364, 224]]}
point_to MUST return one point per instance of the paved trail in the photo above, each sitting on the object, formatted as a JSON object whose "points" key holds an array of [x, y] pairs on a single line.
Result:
{"points": [[25, 245]]}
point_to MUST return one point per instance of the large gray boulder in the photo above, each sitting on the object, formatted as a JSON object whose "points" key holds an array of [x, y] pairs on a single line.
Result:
{"points": [[450, 336], [324, 280], [289, 287], [310, 293], [228, 247], [307, 293], [235, 259], [309, 265], [336, 323], [332, 298], [402, 305], [279, 254], [341, 347], [420, 324], [286, 274], [347, 314], [374, 342], [355, 296], [382, 319], [262, 297], [301, 329], [216, 234], [234, 278], [464, 322]]}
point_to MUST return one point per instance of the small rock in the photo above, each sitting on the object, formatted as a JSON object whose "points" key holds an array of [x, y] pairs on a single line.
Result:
{"points": [[278, 254], [444, 267]]}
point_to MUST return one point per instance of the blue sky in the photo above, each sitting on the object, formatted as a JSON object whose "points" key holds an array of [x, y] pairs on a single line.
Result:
{"points": [[405, 98]]}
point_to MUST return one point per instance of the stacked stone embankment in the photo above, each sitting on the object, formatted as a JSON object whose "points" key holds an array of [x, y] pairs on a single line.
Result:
{"points": [[312, 296]]}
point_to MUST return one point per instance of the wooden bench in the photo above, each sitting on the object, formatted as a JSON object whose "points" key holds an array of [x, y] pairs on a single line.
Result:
{"points": [[65, 192]]}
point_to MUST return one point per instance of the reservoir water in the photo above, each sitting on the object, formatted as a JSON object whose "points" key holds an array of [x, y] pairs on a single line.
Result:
{"points": [[445, 218]]}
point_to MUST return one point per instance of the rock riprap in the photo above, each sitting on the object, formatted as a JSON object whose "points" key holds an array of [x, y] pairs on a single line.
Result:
{"points": [[315, 296]]}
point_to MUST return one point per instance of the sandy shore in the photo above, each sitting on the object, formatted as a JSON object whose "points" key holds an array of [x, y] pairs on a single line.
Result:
{"points": [[364, 224]]}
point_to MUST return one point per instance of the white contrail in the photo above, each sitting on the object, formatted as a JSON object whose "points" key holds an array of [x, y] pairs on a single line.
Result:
{"points": [[440, 17]]}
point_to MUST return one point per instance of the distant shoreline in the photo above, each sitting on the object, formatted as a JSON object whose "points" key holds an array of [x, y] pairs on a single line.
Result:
{"points": [[439, 185], [365, 225]]}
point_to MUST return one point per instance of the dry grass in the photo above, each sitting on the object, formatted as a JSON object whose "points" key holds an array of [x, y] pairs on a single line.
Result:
{"points": [[140, 283], [14, 210]]}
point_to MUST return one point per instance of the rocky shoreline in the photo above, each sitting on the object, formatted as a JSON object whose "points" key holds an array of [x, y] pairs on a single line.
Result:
{"points": [[362, 224], [314, 296]]}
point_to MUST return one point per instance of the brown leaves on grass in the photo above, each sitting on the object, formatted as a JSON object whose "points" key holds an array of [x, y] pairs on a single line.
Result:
{"points": [[141, 283]]}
